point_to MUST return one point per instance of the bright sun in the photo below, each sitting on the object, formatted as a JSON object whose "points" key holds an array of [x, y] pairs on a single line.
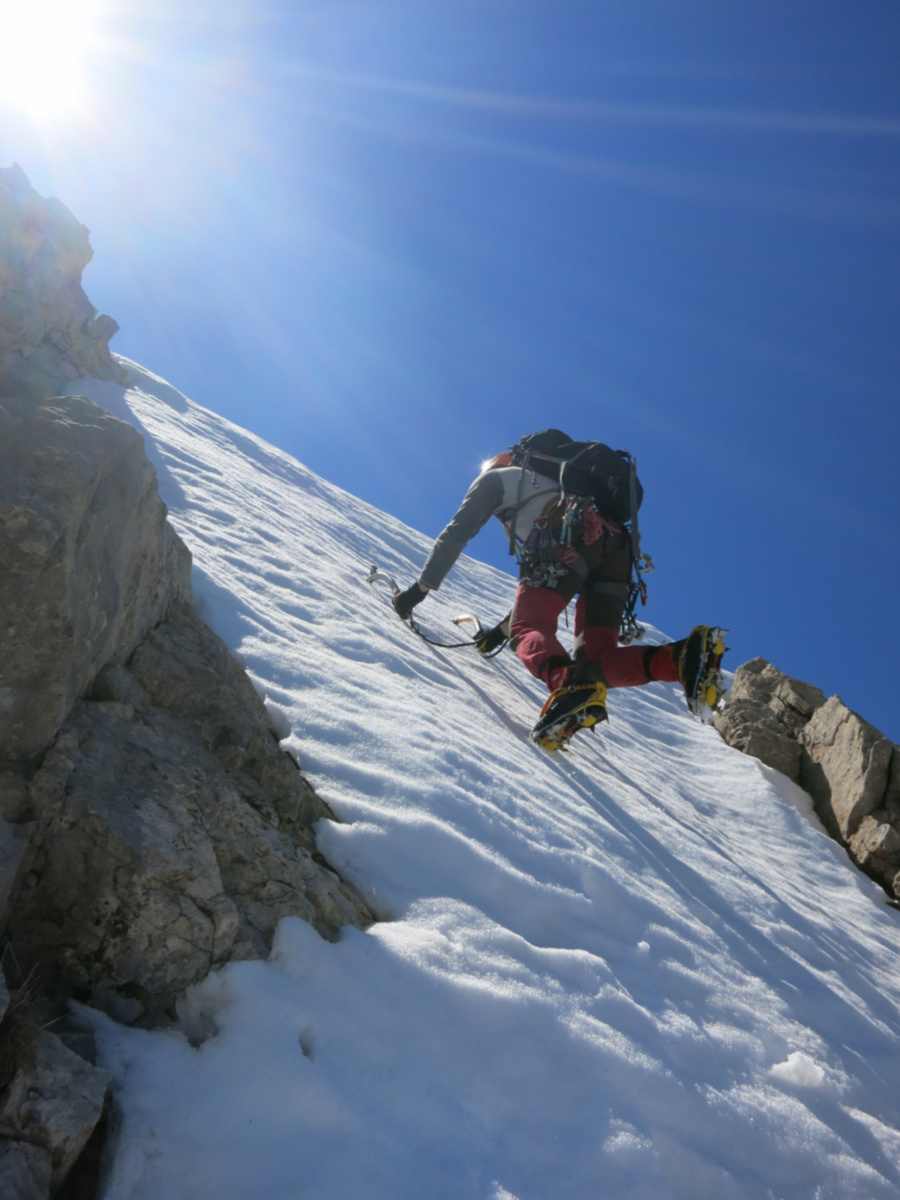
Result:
{"points": [[43, 50]]}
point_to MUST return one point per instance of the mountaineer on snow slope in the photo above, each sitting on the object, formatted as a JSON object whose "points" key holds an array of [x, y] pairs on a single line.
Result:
{"points": [[570, 512]]}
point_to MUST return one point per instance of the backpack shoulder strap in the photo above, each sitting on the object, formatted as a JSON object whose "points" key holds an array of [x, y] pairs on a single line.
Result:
{"points": [[515, 511], [635, 532]]}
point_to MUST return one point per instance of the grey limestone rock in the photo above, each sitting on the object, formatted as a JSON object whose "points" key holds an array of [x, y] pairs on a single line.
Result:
{"points": [[752, 727], [851, 771], [876, 847], [153, 868], [25, 1171], [151, 829], [124, 903], [49, 331], [765, 712], [185, 669], [892, 793], [12, 853], [845, 768], [792, 701], [54, 1103], [89, 561], [14, 803]]}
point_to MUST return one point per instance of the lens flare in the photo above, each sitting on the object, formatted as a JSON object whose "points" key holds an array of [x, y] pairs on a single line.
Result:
{"points": [[43, 53]]}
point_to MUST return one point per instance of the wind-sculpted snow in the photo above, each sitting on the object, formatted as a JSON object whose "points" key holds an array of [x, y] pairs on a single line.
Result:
{"points": [[639, 972]]}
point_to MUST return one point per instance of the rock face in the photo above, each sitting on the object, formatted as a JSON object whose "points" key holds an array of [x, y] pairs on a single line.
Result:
{"points": [[12, 852], [166, 830], [25, 1171], [851, 771], [753, 728], [50, 332], [846, 766], [151, 829], [764, 714], [173, 833], [186, 670], [89, 562], [54, 1103]]}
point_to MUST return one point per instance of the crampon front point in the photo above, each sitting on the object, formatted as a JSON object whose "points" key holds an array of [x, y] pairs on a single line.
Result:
{"points": [[567, 710], [699, 668]]}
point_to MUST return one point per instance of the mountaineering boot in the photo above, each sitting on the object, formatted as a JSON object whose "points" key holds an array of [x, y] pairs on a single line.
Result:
{"points": [[698, 659], [578, 706]]}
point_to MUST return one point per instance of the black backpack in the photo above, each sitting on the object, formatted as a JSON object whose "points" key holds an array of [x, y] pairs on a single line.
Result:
{"points": [[584, 469]]}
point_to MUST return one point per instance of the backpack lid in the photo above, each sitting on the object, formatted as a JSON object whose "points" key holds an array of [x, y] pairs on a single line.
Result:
{"points": [[550, 442]]}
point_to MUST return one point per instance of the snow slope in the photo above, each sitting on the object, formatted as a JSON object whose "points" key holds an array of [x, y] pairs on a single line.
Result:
{"points": [[640, 972]]}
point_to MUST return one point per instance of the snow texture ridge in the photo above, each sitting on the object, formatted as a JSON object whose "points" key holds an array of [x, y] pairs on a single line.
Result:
{"points": [[641, 972]]}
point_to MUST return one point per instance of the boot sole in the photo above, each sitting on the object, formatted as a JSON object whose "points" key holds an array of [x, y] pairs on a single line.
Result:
{"points": [[557, 734]]}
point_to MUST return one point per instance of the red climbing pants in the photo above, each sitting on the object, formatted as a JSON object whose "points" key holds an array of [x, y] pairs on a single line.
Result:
{"points": [[533, 629]]}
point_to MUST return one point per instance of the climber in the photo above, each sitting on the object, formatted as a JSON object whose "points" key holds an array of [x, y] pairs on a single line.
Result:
{"points": [[567, 511]]}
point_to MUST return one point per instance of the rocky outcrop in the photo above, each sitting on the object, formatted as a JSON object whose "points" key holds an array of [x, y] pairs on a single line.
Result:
{"points": [[167, 831], [89, 562], [849, 768], [151, 828], [753, 728], [845, 768], [52, 1100], [54, 1103], [765, 712], [184, 669], [173, 833], [50, 332], [12, 853], [25, 1171]]}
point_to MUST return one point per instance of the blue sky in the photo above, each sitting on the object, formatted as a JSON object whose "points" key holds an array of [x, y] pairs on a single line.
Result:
{"points": [[392, 237]]}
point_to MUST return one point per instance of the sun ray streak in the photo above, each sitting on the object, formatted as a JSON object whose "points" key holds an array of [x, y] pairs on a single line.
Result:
{"points": [[751, 120]]}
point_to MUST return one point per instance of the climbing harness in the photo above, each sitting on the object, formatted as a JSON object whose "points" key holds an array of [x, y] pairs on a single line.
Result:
{"points": [[544, 559]]}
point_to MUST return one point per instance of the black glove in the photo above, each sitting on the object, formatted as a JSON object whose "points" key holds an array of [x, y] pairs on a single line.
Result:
{"points": [[490, 640], [405, 602]]}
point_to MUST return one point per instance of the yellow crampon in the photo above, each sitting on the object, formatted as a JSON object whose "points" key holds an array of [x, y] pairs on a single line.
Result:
{"points": [[566, 712], [713, 693], [699, 668]]}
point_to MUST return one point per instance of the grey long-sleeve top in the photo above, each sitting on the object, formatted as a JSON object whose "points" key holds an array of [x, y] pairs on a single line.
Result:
{"points": [[504, 492]]}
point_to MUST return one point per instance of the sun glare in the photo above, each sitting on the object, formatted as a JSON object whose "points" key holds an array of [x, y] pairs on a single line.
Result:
{"points": [[43, 51]]}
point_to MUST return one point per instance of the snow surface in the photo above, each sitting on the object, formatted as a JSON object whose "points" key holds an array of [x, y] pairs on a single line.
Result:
{"points": [[638, 972]]}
